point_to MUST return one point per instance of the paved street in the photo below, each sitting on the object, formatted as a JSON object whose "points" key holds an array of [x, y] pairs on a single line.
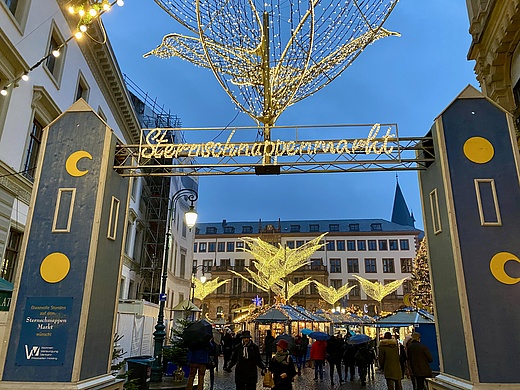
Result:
{"points": [[225, 381]]}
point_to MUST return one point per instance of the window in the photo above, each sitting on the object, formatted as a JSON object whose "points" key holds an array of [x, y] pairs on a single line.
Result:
{"points": [[225, 264], [182, 273], [19, 9], [340, 245], [355, 292], [351, 245], [361, 245], [335, 266], [295, 228], [12, 5], [322, 247], [405, 245], [237, 286], [33, 149], [334, 227], [407, 286], [372, 245], [299, 243], [206, 266], [376, 227], [316, 263], [11, 255], [336, 283], [82, 89], [221, 247], [247, 229], [230, 246], [331, 246], [221, 289], [393, 245], [353, 227], [406, 265], [211, 230], [298, 280], [388, 266], [383, 245], [352, 266], [240, 264], [202, 247], [370, 266], [229, 229], [194, 266], [195, 247], [55, 64], [211, 247], [314, 289], [290, 244], [314, 228]]}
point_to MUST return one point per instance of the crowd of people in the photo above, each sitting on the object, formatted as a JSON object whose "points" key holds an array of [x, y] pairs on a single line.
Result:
{"points": [[285, 357]]}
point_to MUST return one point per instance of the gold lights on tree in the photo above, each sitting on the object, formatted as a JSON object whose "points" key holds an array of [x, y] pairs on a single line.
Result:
{"points": [[292, 289], [421, 291], [270, 54], [202, 290], [376, 290], [332, 295]]}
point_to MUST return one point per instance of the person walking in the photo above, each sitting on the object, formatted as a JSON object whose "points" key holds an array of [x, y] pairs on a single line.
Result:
{"points": [[197, 360], [305, 348], [349, 360], [212, 362], [247, 358], [227, 347], [364, 356], [298, 353], [318, 353], [334, 357], [402, 356], [389, 361], [420, 358], [269, 347], [282, 367]]}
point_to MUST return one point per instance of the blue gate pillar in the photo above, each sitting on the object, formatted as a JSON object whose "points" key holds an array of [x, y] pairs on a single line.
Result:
{"points": [[60, 331], [471, 208]]}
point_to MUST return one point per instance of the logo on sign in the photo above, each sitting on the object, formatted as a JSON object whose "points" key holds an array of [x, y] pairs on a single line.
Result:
{"points": [[34, 351]]}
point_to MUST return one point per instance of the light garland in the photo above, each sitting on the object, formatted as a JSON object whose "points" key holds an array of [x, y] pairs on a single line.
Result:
{"points": [[268, 55], [202, 290], [376, 290], [88, 12], [332, 295]]}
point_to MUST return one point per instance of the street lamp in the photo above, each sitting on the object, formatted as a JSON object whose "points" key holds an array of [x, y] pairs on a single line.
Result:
{"points": [[159, 335]]}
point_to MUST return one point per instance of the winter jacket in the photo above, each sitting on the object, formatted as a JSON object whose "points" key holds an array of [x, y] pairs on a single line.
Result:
{"points": [[389, 359], [334, 350], [420, 358], [278, 369], [198, 356], [246, 370], [319, 350]]}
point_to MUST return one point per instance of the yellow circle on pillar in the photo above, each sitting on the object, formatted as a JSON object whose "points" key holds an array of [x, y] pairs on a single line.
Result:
{"points": [[478, 150], [55, 267]]}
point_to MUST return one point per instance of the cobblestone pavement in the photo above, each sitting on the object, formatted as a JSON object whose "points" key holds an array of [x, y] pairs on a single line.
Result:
{"points": [[226, 381]]}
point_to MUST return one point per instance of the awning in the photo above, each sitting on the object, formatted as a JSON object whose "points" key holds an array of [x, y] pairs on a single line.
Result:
{"points": [[405, 317], [5, 285], [287, 313], [186, 305]]}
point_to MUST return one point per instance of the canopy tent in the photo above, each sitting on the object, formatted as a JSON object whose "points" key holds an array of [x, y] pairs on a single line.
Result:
{"points": [[6, 292], [348, 319], [5, 285], [186, 305], [404, 317], [286, 313]]}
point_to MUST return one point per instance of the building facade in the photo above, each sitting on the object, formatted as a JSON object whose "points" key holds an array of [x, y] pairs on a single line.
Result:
{"points": [[375, 249], [495, 31]]}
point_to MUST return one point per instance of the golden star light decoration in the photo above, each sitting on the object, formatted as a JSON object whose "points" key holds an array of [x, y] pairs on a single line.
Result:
{"points": [[270, 54], [376, 290], [332, 295], [202, 290]]}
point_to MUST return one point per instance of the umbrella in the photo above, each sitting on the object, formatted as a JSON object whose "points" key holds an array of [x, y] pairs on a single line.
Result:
{"points": [[359, 339], [305, 331], [319, 336], [198, 334]]}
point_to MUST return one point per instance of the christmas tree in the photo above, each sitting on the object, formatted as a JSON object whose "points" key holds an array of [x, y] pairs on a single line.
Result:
{"points": [[421, 294]]}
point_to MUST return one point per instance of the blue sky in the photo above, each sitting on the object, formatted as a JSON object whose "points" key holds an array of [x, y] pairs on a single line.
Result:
{"points": [[406, 80]]}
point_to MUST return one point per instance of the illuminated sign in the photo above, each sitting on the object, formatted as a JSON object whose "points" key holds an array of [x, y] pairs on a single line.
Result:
{"points": [[156, 145]]}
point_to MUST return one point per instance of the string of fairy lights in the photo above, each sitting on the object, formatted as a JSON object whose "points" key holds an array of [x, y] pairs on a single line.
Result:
{"points": [[270, 54], [88, 12]]}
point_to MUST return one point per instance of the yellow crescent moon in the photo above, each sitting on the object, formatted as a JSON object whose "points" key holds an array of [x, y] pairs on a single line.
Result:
{"points": [[72, 163], [497, 267]]}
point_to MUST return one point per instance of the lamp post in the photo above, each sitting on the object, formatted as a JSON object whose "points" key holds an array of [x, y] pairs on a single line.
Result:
{"points": [[192, 291], [159, 335]]}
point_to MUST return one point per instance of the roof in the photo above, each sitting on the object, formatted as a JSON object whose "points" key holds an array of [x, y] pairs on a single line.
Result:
{"points": [[305, 226], [405, 317], [348, 318], [400, 213], [5, 285], [287, 313]]}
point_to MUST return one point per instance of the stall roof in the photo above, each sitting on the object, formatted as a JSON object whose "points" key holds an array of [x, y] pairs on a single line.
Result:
{"points": [[5, 285], [405, 317], [287, 313], [348, 319]]}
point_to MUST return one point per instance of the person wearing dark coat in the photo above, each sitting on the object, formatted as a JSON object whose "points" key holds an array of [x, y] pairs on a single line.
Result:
{"points": [[212, 362], [247, 358], [269, 346], [420, 358], [364, 356], [389, 361], [198, 360], [349, 360], [402, 356], [334, 352], [282, 367], [227, 347]]}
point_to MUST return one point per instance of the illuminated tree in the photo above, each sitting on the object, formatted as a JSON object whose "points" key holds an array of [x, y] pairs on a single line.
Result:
{"points": [[202, 290], [270, 54], [331, 294], [421, 294], [378, 291], [292, 289]]}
